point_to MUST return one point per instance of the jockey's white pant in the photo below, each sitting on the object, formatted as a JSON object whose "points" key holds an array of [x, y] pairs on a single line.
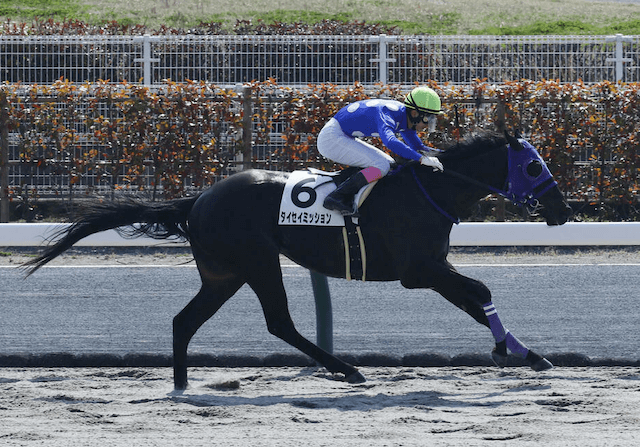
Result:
{"points": [[336, 145]]}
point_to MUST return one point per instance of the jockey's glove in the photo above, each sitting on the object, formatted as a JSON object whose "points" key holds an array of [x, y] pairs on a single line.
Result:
{"points": [[431, 161]]}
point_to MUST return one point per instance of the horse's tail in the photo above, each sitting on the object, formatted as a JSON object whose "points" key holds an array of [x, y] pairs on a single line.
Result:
{"points": [[132, 218]]}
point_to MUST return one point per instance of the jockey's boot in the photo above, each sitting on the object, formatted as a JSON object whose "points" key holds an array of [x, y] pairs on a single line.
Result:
{"points": [[341, 199]]}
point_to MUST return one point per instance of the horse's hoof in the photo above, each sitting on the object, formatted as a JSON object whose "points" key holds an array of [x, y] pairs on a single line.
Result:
{"points": [[355, 377], [541, 365], [499, 359]]}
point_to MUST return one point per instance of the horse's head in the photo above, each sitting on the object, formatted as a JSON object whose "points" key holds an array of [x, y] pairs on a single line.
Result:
{"points": [[530, 183], [505, 165]]}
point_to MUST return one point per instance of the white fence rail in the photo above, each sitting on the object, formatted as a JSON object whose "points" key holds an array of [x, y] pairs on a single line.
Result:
{"points": [[301, 60], [490, 234]]}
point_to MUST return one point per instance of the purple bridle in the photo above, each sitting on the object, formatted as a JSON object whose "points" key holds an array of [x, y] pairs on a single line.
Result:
{"points": [[528, 178]]}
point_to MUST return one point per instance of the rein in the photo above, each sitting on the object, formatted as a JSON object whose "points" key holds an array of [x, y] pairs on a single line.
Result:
{"points": [[521, 192], [438, 208], [473, 181], [531, 203]]}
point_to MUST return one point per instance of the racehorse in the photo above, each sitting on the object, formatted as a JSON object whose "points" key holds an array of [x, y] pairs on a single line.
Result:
{"points": [[235, 238]]}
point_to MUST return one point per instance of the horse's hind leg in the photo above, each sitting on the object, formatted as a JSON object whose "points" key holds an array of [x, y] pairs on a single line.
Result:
{"points": [[268, 286], [205, 304]]}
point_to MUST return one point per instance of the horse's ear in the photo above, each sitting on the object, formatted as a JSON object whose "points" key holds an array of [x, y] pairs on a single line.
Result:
{"points": [[513, 142]]}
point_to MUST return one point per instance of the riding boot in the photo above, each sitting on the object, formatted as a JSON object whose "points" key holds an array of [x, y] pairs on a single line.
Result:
{"points": [[341, 199]]}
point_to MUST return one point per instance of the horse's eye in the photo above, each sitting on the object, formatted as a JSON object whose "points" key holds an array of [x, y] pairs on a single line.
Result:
{"points": [[534, 169]]}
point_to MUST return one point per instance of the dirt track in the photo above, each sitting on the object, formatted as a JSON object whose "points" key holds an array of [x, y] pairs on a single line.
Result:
{"points": [[274, 406], [304, 406]]}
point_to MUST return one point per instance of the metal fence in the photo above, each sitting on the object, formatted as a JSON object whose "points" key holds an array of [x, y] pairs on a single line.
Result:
{"points": [[302, 60], [291, 61]]}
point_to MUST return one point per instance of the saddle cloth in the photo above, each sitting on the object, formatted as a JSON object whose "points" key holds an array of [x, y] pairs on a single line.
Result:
{"points": [[304, 193], [301, 205]]}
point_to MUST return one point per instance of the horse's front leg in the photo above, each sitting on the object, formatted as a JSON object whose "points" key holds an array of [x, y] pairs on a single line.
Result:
{"points": [[474, 298], [506, 340]]}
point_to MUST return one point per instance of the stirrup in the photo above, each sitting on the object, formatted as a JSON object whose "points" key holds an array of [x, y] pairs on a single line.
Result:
{"points": [[331, 203], [351, 213]]}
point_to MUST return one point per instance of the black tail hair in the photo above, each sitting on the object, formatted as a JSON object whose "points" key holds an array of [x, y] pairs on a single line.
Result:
{"points": [[131, 217]]}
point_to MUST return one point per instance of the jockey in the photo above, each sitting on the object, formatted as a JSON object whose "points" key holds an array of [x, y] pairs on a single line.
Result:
{"points": [[338, 140]]}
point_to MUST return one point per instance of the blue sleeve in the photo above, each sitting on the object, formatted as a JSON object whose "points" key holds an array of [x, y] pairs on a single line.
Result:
{"points": [[388, 136], [413, 140]]}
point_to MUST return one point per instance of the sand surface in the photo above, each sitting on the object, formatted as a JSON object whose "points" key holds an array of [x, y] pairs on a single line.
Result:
{"points": [[454, 406]]}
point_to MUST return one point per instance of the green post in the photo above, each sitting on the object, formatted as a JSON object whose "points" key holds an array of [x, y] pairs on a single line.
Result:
{"points": [[324, 313]]}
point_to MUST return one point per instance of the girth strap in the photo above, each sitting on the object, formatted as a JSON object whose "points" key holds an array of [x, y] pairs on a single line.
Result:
{"points": [[354, 251]]}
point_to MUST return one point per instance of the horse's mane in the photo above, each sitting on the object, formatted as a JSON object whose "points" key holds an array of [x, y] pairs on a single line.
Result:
{"points": [[473, 145]]}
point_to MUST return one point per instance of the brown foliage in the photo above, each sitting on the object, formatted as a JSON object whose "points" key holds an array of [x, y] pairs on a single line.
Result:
{"points": [[184, 134]]}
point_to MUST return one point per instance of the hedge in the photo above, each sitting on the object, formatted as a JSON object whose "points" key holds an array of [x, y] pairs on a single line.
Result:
{"points": [[72, 27], [184, 136]]}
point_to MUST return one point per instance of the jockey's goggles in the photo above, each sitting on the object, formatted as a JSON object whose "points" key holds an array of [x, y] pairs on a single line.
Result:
{"points": [[430, 119]]}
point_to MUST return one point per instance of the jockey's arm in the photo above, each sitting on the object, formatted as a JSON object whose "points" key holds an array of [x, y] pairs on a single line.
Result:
{"points": [[414, 141], [388, 137], [394, 144], [427, 160], [398, 147]]}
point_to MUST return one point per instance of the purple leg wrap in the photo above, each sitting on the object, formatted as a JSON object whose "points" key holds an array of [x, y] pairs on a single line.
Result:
{"points": [[500, 333], [497, 329], [515, 346]]}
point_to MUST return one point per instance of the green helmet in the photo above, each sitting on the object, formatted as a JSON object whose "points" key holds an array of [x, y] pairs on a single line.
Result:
{"points": [[423, 100]]}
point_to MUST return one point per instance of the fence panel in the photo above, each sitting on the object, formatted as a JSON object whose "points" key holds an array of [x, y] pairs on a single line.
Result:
{"points": [[502, 58], [46, 59], [302, 60]]}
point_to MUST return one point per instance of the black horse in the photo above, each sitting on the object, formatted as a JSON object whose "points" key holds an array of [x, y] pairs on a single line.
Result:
{"points": [[235, 237]]}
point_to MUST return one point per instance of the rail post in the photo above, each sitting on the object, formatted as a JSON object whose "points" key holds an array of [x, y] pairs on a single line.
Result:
{"points": [[146, 59], [247, 128], [501, 126], [324, 312], [382, 59], [4, 158], [619, 58]]}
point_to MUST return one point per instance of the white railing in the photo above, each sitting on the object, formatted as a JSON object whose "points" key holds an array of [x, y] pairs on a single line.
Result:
{"points": [[487, 234], [302, 60]]}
